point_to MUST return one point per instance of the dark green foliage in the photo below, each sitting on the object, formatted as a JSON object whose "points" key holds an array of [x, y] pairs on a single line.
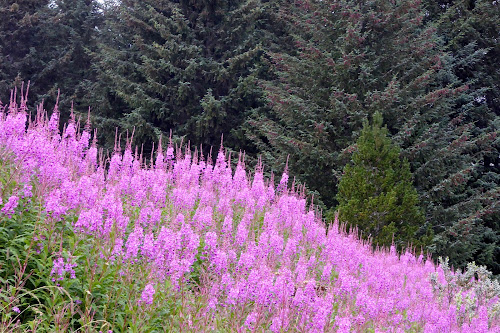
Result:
{"points": [[24, 275], [68, 40], [351, 59], [470, 30], [48, 44], [462, 190], [19, 41], [376, 193], [189, 67], [30, 242]]}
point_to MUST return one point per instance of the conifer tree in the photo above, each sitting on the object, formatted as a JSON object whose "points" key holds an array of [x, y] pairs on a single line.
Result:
{"points": [[20, 23], [48, 44], [354, 58], [69, 38], [184, 66], [351, 59], [376, 193], [461, 188]]}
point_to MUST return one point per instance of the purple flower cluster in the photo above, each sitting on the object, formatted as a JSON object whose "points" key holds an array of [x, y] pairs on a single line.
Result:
{"points": [[62, 267], [259, 254], [10, 206], [147, 294]]}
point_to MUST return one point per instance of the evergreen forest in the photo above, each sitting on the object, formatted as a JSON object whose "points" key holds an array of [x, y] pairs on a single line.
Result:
{"points": [[385, 112]]}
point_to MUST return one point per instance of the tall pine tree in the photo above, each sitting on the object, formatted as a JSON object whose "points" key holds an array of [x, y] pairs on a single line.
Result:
{"points": [[20, 24], [185, 66], [351, 59], [48, 44]]}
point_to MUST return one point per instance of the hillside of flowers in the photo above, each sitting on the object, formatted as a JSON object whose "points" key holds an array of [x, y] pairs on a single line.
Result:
{"points": [[94, 242]]}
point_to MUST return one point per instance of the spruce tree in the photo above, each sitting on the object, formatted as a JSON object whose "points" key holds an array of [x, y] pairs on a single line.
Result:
{"points": [[20, 41], [461, 188], [351, 59], [376, 193], [185, 66], [354, 58], [48, 43]]}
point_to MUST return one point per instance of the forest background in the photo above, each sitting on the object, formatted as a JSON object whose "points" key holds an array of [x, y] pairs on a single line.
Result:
{"points": [[287, 81]]}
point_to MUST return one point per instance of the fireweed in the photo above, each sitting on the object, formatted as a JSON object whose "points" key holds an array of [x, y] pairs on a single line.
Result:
{"points": [[185, 245]]}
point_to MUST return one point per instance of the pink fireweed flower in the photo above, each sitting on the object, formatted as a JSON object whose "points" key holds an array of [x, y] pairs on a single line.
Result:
{"points": [[147, 295], [84, 141], [321, 317], [283, 183], [210, 244], [246, 261], [170, 153], [149, 215], [281, 321], [61, 267], [232, 295], [134, 241], [70, 130], [89, 221], [250, 321], [9, 207], [148, 249], [227, 225], [241, 234], [258, 188], [276, 243], [160, 159], [327, 272], [344, 324], [212, 304], [263, 295], [117, 249], [202, 219], [177, 270], [54, 204], [26, 191], [189, 242], [54, 121], [219, 262], [301, 270]]}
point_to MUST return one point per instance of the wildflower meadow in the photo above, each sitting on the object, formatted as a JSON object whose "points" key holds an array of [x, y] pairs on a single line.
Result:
{"points": [[98, 243]]}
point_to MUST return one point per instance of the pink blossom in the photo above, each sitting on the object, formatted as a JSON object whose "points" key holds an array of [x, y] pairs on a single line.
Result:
{"points": [[147, 295], [61, 267], [10, 206]]}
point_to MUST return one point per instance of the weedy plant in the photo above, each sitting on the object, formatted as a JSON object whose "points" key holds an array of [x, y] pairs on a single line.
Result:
{"points": [[184, 245]]}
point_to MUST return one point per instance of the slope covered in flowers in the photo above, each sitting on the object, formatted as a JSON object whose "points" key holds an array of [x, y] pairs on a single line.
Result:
{"points": [[184, 245]]}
